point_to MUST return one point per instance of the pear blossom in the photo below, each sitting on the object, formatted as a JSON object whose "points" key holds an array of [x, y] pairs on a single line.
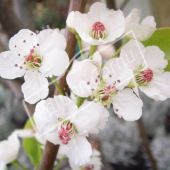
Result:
{"points": [[142, 31], [94, 164], [60, 121], [70, 21], [85, 79], [99, 26], [36, 57], [9, 149], [148, 66]]}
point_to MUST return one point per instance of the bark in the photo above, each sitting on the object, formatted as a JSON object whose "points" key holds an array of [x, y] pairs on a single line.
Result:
{"points": [[51, 150], [145, 143], [10, 22]]}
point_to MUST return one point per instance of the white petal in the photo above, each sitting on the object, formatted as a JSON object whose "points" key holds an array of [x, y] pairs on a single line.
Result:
{"points": [[115, 71], [24, 133], [70, 20], [49, 40], [97, 60], [8, 62], [133, 16], [3, 166], [82, 78], [35, 87], [95, 14], [87, 118], [54, 63], [149, 21], [23, 41], [154, 58], [132, 54], [127, 105], [9, 149], [46, 122], [73, 166], [114, 30], [79, 150], [158, 88]]}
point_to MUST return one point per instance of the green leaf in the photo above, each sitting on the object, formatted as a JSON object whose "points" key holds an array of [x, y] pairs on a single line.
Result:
{"points": [[160, 38], [32, 147]]}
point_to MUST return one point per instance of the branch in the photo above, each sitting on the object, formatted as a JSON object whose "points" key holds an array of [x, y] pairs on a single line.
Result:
{"points": [[51, 150], [10, 23], [145, 142]]}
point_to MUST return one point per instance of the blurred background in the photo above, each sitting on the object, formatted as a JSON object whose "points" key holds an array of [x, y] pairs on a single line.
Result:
{"points": [[120, 141]]}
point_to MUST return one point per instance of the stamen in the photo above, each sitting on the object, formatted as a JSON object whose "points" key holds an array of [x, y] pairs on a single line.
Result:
{"points": [[16, 65]]}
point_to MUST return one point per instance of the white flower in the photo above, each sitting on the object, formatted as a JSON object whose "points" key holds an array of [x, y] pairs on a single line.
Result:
{"points": [[9, 149], [60, 121], [70, 21], [37, 57], [94, 164], [143, 30], [85, 80], [148, 65], [100, 25]]}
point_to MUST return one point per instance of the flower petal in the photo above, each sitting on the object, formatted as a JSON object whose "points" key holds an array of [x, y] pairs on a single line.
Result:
{"points": [[79, 150], [50, 39], [115, 72], [35, 87], [54, 63], [154, 58], [127, 105], [11, 65], [82, 78], [132, 54], [23, 41], [158, 88], [9, 149], [90, 118]]}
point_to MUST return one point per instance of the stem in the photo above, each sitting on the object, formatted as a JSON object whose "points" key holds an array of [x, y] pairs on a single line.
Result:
{"points": [[57, 86], [80, 101], [60, 162], [145, 142], [80, 46], [92, 50]]}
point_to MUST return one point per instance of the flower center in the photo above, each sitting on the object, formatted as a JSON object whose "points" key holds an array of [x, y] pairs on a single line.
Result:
{"points": [[66, 131], [98, 31], [89, 167], [33, 61], [144, 77], [104, 94]]}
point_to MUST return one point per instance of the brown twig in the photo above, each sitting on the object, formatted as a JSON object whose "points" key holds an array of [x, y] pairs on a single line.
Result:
{"points": [[145, 142], [51, 150]]}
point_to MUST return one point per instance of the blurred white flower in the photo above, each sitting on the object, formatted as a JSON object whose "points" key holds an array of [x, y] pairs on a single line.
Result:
{"points": [[60, 121], [100, 25], [9, 149], [148, 65], [94, 164], [85, 80], [143, 30], [37, 57]]}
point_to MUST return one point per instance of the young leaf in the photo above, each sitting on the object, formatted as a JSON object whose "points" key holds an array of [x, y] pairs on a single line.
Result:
{"points": [[32, 147]]}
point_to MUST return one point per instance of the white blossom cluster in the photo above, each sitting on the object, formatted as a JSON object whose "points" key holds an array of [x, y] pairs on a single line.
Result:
{"points": [[96, 86]]}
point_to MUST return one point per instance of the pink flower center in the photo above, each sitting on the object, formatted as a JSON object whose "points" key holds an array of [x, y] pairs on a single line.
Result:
{"points": [[98, 28], [107, 91], [89, 167], [65, 133], [147, 75]]}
